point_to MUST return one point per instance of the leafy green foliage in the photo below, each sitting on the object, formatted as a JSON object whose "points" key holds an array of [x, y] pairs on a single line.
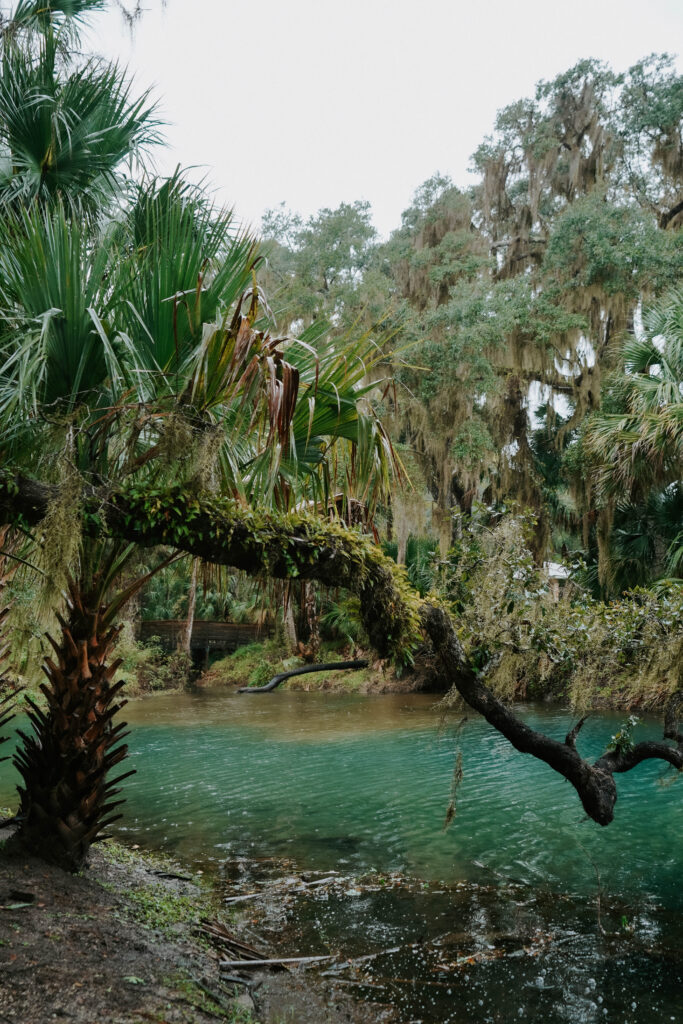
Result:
{"points": [[343, 621], [528, 643], [66, 126], [622, 741], [146, 667], [315, 267]]}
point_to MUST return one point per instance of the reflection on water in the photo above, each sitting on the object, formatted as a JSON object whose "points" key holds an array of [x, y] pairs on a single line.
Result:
{"points": [[481, 953], [358, 783]]}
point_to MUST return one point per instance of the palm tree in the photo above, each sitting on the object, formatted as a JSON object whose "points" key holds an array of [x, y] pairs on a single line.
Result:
{"points": [[113, 375], [635, 451], [66, 126], [134, 350]]}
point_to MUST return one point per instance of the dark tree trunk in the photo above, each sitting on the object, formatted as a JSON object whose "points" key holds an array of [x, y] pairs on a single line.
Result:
{"points": [[6, 699], [66, 796]]}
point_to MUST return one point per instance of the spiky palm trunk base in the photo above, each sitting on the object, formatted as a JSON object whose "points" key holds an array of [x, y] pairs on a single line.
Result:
{"points": [[6, 701], [66, 798]]}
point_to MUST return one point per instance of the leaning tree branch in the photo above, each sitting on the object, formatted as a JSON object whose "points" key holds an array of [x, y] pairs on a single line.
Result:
{"points": [[222, 531], [594, 783], [570, 738], [330, 666]]}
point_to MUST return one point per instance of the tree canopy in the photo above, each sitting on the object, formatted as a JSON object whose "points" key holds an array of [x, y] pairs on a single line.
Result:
{"points": [[512, 299]]}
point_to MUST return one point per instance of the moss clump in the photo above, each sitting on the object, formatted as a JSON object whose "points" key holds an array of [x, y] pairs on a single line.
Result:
{"points": [[157, 908]]}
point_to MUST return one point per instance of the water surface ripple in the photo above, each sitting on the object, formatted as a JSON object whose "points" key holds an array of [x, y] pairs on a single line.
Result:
{"points": [[364, 782], [357, 784]]}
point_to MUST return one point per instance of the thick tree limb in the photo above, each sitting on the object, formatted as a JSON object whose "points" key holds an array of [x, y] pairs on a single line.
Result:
{"points": [[283, 546], [666, 216], [594, 783], [221, 531]]}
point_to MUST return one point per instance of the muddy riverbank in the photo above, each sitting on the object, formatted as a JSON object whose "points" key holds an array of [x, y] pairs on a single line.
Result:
{"points": [[129, 941]]}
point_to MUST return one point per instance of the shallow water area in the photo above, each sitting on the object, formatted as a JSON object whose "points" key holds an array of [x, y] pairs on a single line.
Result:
{"points": [[452, 954], [525, 909]]}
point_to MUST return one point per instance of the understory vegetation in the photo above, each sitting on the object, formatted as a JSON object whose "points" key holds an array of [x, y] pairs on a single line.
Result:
{"points": [[531, 642]]}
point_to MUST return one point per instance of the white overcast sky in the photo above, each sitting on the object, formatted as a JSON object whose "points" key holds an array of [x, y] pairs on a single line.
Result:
{"points": [[318, 102]]}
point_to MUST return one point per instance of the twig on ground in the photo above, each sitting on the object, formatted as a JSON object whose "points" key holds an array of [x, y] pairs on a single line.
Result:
{"points": [[275, 961]]}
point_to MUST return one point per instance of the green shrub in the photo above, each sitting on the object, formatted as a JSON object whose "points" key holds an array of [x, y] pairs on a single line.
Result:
{"points": [[147, 667]]}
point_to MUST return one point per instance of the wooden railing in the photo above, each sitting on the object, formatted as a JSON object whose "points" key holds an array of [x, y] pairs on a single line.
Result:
{"points": [[206, 636]]}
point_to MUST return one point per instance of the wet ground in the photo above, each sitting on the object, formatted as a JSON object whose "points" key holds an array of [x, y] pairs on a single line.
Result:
{"points": [[470, 952]]}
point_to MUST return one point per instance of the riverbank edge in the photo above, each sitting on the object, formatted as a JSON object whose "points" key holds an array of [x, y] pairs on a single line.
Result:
{"points": [[254, 665], [122, 943], [257, 664]]}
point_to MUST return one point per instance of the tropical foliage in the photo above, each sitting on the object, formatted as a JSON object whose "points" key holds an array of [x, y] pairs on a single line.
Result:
{"points": [[528, 644], [512, 300], [67, 125], [147, 401], [135, 349]]}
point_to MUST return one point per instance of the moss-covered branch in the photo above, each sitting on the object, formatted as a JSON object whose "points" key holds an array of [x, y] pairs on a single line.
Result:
{"points": [[221, 531], [261, 543]]}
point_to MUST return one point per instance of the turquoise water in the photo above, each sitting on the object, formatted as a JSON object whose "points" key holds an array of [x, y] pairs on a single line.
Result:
{"points": [[356, 783], [364, 782]]}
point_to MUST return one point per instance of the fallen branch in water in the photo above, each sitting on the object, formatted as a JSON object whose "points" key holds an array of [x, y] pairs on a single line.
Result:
{"points": [[330, 666], [216, 931], [275, 889], [246, 896]]}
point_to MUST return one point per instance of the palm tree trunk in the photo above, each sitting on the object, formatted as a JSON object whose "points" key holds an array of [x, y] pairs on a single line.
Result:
{"points": [[312, 619], [284, 592], [66, 797], [186, 643]]}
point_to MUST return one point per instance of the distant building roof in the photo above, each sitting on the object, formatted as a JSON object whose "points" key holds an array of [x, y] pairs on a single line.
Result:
{"points": [[556, 571]]}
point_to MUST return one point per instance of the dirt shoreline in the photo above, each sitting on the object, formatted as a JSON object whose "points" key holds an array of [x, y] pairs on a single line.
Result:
{"points": [[124, 942]]}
